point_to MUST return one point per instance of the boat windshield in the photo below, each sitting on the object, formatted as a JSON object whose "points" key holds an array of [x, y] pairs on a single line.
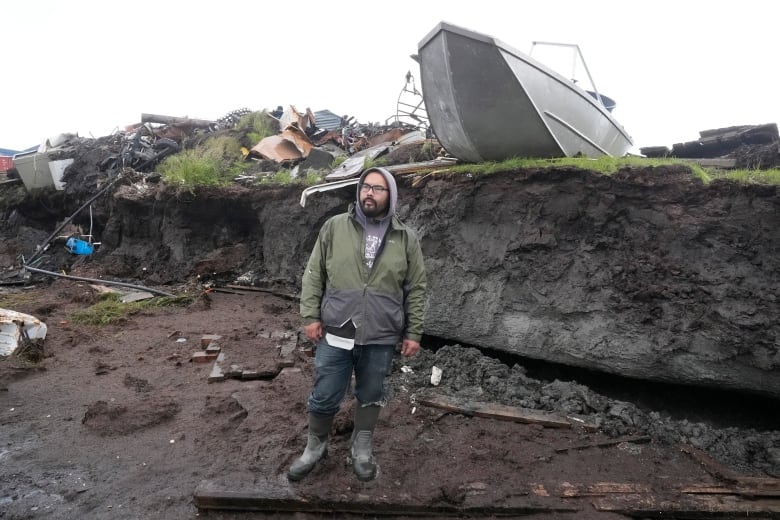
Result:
{"points": [[567, 59]]}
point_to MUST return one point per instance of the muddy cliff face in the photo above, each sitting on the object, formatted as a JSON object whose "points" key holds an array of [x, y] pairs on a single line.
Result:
{"points": [[647, 274]]}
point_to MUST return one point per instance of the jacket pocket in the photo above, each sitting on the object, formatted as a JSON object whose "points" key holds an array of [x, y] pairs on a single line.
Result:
{"points": [[338, 306]]}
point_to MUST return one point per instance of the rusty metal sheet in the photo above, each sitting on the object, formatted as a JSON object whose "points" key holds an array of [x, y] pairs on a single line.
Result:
{"points": [[289, 145], [295, 135], [332, 135], [278, 149]]}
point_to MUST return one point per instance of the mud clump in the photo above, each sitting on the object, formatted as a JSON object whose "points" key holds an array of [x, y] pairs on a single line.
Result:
{"points": [[112, 419]]}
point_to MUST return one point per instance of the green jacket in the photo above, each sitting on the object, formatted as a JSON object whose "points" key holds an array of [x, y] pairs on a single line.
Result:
{"points": [[385, 304]]}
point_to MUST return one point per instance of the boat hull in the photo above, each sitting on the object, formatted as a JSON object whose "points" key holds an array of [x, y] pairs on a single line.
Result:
{"points": [[489, 102]]}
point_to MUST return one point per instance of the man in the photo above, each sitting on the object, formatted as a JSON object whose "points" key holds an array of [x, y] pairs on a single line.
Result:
{"points": [[363, 293]]}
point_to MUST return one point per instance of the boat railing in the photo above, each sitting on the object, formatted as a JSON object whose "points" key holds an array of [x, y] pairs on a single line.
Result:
{"points": [[606, 102]]}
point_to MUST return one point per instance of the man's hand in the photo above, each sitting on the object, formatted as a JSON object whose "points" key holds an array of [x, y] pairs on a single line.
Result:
{"points": [[409, 347], [313, 331]]}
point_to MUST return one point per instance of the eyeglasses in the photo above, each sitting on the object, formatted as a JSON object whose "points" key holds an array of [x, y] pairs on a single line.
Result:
{"points": [[376, 188]]}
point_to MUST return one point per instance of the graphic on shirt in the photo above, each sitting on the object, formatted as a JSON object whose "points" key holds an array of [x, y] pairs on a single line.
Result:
{"points": [[372, 246]]}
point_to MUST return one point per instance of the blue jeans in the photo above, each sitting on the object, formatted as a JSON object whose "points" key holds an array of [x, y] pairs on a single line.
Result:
{"points": [[333, 372]]}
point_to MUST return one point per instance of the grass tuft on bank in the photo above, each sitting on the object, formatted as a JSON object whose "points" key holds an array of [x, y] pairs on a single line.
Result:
{"points": [[610, 165], [109, 310], [258, 126], [771, 177]]}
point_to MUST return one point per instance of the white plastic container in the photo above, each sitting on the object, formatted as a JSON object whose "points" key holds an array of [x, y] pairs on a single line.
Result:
{"points": [[33, 168]]}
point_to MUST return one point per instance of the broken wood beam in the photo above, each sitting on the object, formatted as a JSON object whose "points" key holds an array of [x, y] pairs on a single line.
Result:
{"points": [[227, 291], [502, 412], [273, 497], [602, 488], [286, 296], [698, 506], [176, 121], [711, 466], [637, 439], [401, 169], [760, 487], [727, 163]]}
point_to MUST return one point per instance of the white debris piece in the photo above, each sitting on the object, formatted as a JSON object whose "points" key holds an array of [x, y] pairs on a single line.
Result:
{"points": [[435, 375], [16, 325]]}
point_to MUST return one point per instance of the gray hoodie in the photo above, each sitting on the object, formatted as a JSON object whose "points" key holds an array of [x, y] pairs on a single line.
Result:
{"points": [[374, 229]]}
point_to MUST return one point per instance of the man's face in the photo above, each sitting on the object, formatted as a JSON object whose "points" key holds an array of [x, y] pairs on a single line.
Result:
{"points": [[374, 203]]}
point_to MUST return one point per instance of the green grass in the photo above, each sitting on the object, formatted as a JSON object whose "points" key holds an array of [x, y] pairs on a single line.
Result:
{"points": [[337, 161], [374, 163], [610, 165], [284, 177], [12, 301], [771, 177], [110, 311], [605, 165], [313, 178], [213, 163], [190, 168], [259, 125]]}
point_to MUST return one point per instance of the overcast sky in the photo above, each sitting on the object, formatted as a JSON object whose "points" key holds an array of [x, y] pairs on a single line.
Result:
{"points": [[674, 67]]}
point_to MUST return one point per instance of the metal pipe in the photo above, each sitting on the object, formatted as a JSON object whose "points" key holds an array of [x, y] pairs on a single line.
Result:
{"points": [[97, 280]]}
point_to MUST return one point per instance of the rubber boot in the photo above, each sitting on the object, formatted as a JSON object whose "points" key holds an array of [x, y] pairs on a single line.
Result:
{"points": [[363, 463], [316, 447]]}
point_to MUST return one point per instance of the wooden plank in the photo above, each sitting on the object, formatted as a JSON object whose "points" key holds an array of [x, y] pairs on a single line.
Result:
{"points": [[758, 487], [638, 439], [714, 162], [401, 169], [500, 412], [227, 291], [745, 487], [711, 466], [707, 489], [173, 120], [274, 497], [260, 289], [696, 506], [602, 488]]}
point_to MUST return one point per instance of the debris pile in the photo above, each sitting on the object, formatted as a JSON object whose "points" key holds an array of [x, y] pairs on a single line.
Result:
{"points": [[746, 146], [303, 142]]}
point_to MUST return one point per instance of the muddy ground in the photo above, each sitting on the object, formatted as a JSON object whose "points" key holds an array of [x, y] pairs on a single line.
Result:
{"points": [[119, 421]]}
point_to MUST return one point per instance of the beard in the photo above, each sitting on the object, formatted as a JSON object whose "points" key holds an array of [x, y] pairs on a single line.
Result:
{"points": [[374, 210]]}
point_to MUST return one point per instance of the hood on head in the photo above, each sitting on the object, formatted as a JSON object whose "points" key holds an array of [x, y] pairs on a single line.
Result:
{"points": [[393, 201]]}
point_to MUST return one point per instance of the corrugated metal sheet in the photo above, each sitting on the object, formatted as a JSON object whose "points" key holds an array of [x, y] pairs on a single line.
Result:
{"points": [[327, 120]]}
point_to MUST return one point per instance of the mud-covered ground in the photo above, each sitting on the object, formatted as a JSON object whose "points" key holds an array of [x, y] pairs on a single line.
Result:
{"points": [[118, 421]]}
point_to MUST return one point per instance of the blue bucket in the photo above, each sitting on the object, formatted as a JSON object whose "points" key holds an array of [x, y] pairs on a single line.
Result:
{"points": [[79, 247]]}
